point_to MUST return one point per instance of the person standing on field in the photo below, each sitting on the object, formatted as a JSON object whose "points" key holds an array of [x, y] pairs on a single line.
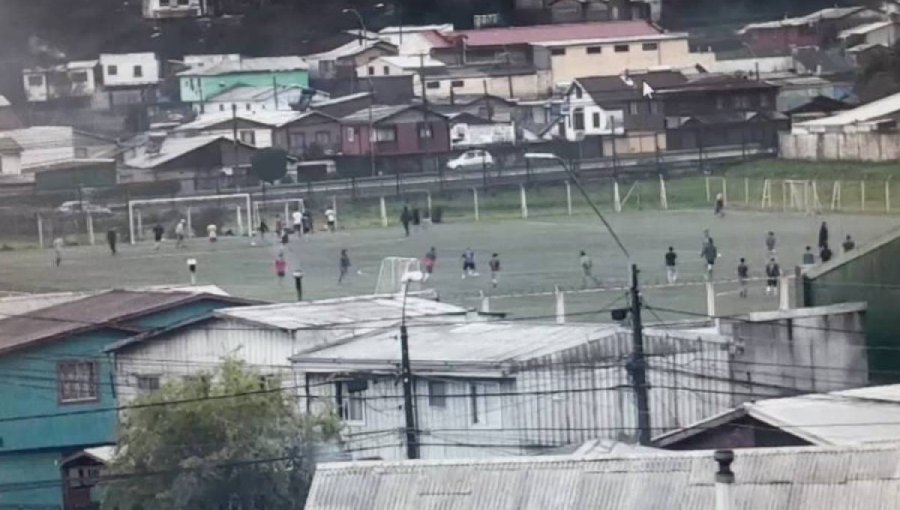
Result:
{"points": [[770, 243], [297, 220], [773, 272], [587, 270], [743, 275], [468, 267], [720, 206], [212, 233], [58, 244], [280, 268], [709, 254], [112, 238], [808, 260], [179, 234], [405, 218], [158, 232], [671, 268], [823, 235], [495, 269], [331, 219], [429, 261], [344, 266]]}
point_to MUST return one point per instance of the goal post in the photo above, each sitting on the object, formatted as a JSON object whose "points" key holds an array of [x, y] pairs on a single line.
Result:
{"points": [[283, 205], [800, 196], [244, 197], [392, 272]]}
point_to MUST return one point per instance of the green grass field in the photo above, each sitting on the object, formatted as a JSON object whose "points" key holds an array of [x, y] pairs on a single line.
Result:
{"points": [[538, 255]]}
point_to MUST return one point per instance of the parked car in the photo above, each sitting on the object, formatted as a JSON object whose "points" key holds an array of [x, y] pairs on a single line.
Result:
{"points": [[474, 159], [75, 206]]}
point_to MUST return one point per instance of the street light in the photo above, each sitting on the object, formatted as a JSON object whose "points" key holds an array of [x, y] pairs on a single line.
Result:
{"points": [[362, 22], [412, 442]]}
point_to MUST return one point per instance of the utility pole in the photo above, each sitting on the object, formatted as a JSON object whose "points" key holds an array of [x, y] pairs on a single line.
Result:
{"points": [[637, 365], [425, 124], [412, 440]]}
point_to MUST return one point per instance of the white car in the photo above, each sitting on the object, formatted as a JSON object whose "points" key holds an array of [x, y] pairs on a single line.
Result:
{"points": [[74, 206], [475, 159]]}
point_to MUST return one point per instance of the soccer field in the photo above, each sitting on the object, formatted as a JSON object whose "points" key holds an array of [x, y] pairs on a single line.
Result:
{"points": [[536, 257]]}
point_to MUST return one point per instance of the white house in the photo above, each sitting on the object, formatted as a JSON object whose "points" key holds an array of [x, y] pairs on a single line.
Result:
{"points": [[10, 156], [412, 39], [41, 145], [263, 336], [255, 99], [129, 69], [468, 130], [529, 387], [71, 80], [172, 9], [884, 33], [399, 65]]}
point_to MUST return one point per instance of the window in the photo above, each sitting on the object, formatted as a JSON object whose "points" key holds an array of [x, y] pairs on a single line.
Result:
{"points": [[557, 51], [578, 119], [457, 83], [298, 140], [371, 70], [78, 77], [720, 103], [484, 405], [654, 107], [78, 381], [742, 102], [622, 48], [634, 108], [221, 107], [425, 131], [323, 139], [437, 394], [596, 120], [352, 401], [578, 92], [388, 134], [138, 72], [386, 70], [351, 134], [35, 80], [247, 136], [650, 46], [433, 84], [247, 107], [112, 70], [594, 50], [763, 101], [147, 384], [183, 2]]}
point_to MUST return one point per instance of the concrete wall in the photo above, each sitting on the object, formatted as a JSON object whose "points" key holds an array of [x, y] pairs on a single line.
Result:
{"points": [[840, 146], [514, 86], [125, 67]]}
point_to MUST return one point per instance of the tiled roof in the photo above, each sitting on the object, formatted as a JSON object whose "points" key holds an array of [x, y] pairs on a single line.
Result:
{"points": [[546, 33]]}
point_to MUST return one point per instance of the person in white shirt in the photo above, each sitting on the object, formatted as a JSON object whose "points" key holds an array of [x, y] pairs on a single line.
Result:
{"points": [[211, 233], [297, 220], [330, 217], [179, 234], [58, 244]]}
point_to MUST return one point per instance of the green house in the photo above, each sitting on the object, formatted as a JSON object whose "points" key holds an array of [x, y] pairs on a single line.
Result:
{"points": [[201, 83]]}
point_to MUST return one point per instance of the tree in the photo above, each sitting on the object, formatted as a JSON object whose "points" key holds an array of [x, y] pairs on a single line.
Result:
{"points": [[269, 164], [227, 439]]}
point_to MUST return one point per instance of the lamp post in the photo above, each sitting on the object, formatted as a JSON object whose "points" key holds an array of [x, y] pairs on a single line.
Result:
{"points": [[192, 269], [298, 284], [412, 436], [362, 22]]}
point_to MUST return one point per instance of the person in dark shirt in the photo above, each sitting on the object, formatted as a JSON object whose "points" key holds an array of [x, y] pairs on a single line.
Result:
{"points": [[773, 272], [710, 254], [770, 243], [743, 274], [158, 232], [849, 244], [823, 235], [495, 269], [344, 266], [112, 238], [405, 218], [825, 254], [809, 259], [671, 268]]}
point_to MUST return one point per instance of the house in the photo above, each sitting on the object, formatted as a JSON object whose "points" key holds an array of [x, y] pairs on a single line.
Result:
{"points": [[342, 106], [342, 61], [10, 156], [529, 387], [402, 130], [395, 65], [174, 9], [468, 130], [70, 81], [207, 162], [61, 377], [885, 33], [309, 133], [866, 273], [410, 39], [820, 28], [264, 336], [508, 81], [840, 418], [255, 99], [770, 478], [568, 50], [208, 79], [816, 108], [8, 117], [130, 78], [573, 11]]}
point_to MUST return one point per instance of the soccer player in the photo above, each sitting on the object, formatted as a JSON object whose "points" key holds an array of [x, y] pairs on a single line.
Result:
{"points": [[307, 222], [823, 235], [405, 218], [297, 220], [720, 206], [671, 268], [743, 274], [331, 218], [279, 225], [112, 238], [495, 269], [849, 244], [709, 254], [158, 232], [179, 234], [468, 268], [428, 262], [825, 254], [773, 272], [263, 228], [344, 265], [587, 270], [280, 267], [212, 232], [58, 244], [770, 243]]}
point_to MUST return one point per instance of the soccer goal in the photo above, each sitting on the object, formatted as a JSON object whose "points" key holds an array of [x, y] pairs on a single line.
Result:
{"points": [[393, 272], [239, 201], [800, 196], [285, 207]]}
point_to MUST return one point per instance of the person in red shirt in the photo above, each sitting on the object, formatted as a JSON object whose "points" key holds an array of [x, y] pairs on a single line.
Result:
{"points": [[280, 267]]}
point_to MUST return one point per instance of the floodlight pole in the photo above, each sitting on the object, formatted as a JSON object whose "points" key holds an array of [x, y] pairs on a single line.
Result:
{"points": [[412, 439]]}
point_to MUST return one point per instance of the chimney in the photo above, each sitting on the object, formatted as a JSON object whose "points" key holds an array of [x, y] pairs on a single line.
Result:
{"points": [[724, 480]]}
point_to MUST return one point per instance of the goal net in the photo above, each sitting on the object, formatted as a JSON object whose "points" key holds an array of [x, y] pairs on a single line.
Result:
{"points": [[270, 210], [800, 196], [392, 273], [229, 212]]}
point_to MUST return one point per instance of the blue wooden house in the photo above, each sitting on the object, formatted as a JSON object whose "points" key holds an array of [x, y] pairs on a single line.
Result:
{"points": [[58, 405]]}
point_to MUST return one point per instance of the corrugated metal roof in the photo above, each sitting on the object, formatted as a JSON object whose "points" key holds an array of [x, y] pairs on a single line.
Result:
{"points": [[815, 17], [865, 28], [770, 479], [9, 146], [101, 310], [870, 111], [413, 62], [268, 118], [377, 113], [364, 311], [16, 305], [172, 148], [250, 65], [545, 33]]}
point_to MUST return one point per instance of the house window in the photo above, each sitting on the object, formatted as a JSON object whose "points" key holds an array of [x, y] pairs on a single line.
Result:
{"points": [[386, 70], [352, 401], [578, 92], [437, 394], [78, 77], [147, 384], [634, 108], [247, 107], [388, 134], [298, 140], [323, 139], [654, 107], [742, 102], [594, 50], [650, 46], [457, 83], [371, 70], [351, 134], [78, 381], [596, 120], [221, 107], [433, 84], [720, 103], [622, 48], [425, 131], [35, 80], [484, 405], [578, 119], [138, 72], [112, 70], [763, 101], [557, 51], [247, 136]]}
